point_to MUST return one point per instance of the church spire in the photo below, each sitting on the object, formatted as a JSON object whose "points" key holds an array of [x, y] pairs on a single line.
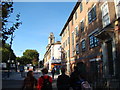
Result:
{"points": [[51, 38]]}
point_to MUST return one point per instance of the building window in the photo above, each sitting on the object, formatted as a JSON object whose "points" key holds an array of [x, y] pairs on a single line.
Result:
{"points": [[82, 26], [72, 22], [117, 5], [93, 41], [77, 48], [92, 14], [83, 45], [76, 29], [68, 40], [68, 53], [68, 27], [105, 14], [81, 7], [72, 50], [64, 44], [73, 38], [73, 44], [87, 1], [64, 33], [76, 15]]}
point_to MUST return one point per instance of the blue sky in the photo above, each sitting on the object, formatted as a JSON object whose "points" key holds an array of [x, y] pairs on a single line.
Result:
{"points": [[38, 20]]}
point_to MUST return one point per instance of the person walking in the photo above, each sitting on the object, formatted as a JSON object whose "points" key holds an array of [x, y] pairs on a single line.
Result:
{"points": [[75, 79], [45, 81], [63, 81], [53, 72], [22, 71], [30, 82]]}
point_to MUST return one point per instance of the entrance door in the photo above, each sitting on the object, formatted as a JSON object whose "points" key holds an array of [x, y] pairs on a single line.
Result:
{"points": [[110, 57]]}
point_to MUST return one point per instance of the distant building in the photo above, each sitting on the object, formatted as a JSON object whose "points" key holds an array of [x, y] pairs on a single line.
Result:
{"points": [[52, 57], [91, 35]]}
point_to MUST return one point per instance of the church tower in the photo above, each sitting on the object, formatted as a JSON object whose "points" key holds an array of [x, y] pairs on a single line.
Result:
{"points": [[51, 38]]}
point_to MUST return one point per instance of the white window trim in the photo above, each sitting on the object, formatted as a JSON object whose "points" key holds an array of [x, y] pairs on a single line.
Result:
{"points": [[116, 8], [108, 12], [82, 39], [73, 31], [74, 35], [76, 26], [95, 59], [81, 20], [82, 6], [91, 8]]}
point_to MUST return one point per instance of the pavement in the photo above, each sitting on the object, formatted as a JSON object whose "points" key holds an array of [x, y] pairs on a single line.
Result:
{"points": [[15, 81], [17, 75]]}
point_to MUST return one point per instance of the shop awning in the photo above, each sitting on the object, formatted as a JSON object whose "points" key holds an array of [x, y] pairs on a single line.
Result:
{"points": [[56, 61]]}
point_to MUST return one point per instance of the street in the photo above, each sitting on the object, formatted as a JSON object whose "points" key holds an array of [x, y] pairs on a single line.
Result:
{"points": [[15, 81]]}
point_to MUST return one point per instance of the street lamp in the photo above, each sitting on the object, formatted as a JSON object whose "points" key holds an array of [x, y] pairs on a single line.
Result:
{"points": [[18, 63], [12, 64], [61, 50], [12, 61]]}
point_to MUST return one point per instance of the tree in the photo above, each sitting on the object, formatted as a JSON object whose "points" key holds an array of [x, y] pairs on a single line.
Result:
{"points": [[23, 60], [32, 55], [7, 10], [6, 50]]}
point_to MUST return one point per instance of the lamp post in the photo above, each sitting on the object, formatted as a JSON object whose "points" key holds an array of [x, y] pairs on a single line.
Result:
{"points": [[18, 63], [8, 68], [62, 52]]}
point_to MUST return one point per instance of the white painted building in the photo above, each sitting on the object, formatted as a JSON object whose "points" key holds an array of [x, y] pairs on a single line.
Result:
{"points": [[52, 56]]}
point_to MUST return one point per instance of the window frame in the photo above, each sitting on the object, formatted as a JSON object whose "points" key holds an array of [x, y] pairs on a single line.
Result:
{"points": [[72, 22], [91, 14], [82, 26], [75, 15], [83, 45], [77, 31], [103, 7], [81, 7], [93, 41], [77, 48]]}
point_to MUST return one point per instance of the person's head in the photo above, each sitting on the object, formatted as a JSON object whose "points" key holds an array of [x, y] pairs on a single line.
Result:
{"points": [[63, 70], [75, 68], [44, 70], [30, 74]]}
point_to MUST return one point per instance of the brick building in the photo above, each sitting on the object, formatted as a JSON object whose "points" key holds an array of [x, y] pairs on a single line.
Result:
{"points": [[91, 35]]}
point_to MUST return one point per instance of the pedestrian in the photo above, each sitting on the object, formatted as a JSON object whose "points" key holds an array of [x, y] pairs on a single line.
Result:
{"points": [[75, 79], [84, 83], [30, 82], [63, 81], [53, 73], [22, 71], [45, 81]]}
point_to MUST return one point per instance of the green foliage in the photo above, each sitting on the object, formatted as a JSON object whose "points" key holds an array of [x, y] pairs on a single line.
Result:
{"points": [[29, 56], [23, 60], [7, 10], [6, 51]]}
